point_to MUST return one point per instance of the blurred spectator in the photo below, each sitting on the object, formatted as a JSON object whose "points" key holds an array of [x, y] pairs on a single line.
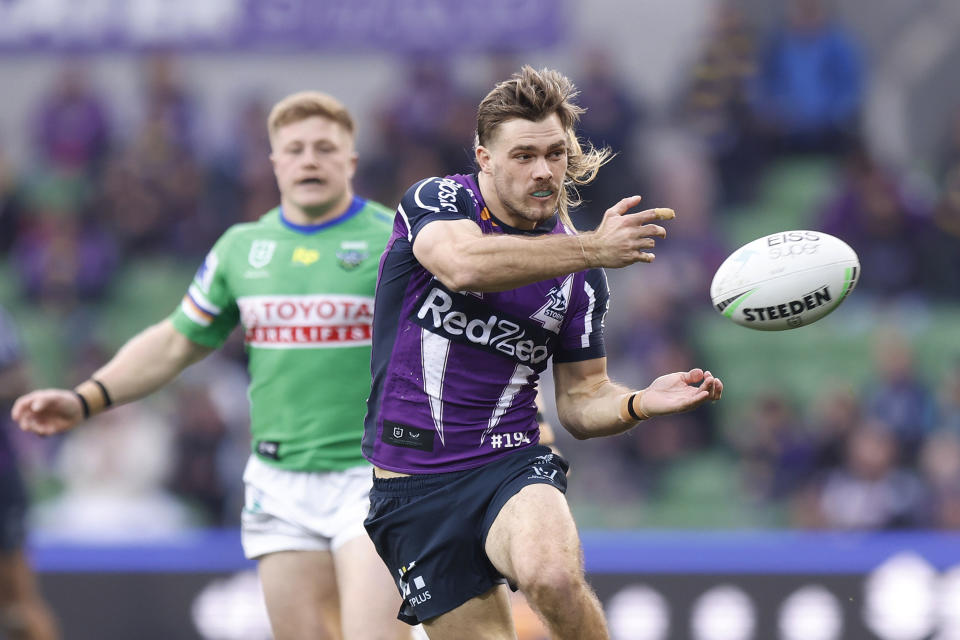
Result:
{"points": [[113, 472], [940, 464], [613, 119], [71, 126], [241, 184], [897, 394], [715, 104], [810, 86], [200, 436], [153, 186], [870, 491], [873, 213], [23, 612], [948, 414], [62, 261], [835, 414], [776, 449], [170, 110], [212, 435], [942, 239], [9, 202], [410, 126]]}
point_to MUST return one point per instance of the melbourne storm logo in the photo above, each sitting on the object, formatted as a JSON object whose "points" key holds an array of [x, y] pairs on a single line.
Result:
{"points": [[551, 314]]}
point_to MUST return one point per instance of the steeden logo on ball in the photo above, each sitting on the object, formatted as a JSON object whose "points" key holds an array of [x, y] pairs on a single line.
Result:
{"points": [[785, 280]]}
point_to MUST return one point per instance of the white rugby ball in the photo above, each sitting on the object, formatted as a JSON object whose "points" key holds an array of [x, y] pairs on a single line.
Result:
{"points": [[785, 280]]}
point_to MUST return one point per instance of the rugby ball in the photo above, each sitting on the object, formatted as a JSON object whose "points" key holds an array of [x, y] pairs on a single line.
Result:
{"points": [[785, 280]]}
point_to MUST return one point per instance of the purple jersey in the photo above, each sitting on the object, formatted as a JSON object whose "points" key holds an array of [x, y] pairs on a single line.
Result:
{"points": [[455, 374]]}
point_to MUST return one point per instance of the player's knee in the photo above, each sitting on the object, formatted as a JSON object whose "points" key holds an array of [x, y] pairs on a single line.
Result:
{"points": [[553, 583]]}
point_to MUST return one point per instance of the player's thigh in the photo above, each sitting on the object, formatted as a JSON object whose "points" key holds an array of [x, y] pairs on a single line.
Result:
{"points": [[533, 535], [486, 617], [369, 598], [300, 590]]}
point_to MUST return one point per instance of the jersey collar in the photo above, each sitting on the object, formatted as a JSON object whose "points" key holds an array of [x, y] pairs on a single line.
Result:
{"points": [[355, 205]]}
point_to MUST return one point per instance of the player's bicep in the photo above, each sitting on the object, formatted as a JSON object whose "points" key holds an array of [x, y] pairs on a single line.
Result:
{"points": [[439, 248]]}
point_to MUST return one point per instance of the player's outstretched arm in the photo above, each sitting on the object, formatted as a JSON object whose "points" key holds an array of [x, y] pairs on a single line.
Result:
{"points": [[590, 405], [464, 259], [144, 364]]}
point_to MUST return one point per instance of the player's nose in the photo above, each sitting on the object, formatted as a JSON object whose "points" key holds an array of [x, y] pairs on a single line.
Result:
{"points": [[541, 169]]}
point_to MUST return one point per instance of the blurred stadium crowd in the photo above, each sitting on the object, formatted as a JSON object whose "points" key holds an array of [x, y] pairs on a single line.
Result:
{"points": [[101, 234]]}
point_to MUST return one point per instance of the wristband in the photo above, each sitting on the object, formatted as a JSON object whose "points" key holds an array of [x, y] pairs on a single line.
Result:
{"points": [[107, 401], [83, 404], [540, 417], [630, 411], [633, 413], [95, 397]]}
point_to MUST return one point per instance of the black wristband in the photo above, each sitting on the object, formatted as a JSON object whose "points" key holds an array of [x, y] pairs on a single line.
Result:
{"points": [[83, 403], [630, 409], [107, 401], [540, 417]]}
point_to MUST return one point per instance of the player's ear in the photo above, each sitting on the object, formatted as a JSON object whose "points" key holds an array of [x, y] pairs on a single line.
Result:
{"points": [[353, 163], [483, 158]]}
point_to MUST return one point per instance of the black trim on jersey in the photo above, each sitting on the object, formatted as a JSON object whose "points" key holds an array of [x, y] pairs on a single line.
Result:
{"points": [[395, 274], [597, 349], [543, 227]]}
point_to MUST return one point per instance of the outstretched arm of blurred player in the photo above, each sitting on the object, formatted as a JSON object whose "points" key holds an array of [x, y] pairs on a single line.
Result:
{"points": [[590, 405], [147, 362]]}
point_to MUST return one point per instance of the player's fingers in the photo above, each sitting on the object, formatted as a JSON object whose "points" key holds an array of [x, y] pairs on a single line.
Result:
{"points": [[16, 412], [646, 257], [652, 231], [623, 206], [660, 213], [693, 376]]}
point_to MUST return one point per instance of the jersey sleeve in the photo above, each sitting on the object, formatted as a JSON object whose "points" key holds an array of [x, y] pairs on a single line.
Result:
{"points": [[581, 335], [208, 312], [434, 199]]}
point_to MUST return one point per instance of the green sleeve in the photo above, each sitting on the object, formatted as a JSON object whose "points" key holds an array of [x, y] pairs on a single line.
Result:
{"points": [[208, 312]]}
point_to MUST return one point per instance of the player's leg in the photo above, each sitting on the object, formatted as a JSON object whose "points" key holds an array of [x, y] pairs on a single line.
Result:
{"points": [[533, 541], [369, 599], [282, 512], [300, 589], [23, 613], [485, 617]]}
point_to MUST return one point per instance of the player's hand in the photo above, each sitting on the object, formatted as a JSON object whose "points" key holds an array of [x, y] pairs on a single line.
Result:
{"points": [[625, 238], [47, 411], [681, 391]]}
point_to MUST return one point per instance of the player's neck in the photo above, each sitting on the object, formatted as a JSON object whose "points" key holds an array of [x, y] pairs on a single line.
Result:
{"points": [[307, 216]]}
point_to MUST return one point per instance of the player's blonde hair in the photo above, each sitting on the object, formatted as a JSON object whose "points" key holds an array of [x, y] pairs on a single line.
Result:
{"points": [[534, 95], [307, 104]]}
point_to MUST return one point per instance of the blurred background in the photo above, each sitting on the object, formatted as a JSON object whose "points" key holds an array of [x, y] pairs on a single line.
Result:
{"points": [[132, 134]]}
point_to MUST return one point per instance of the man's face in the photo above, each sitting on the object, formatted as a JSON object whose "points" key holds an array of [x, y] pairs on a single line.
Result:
{"points": [[526, 162], [314, 161]]}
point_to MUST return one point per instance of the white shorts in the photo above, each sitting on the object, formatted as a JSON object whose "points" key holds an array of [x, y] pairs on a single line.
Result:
{"points": [[302, 511]]}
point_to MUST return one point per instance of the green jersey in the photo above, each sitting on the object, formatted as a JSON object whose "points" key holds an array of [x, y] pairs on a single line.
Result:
{"points": [[304, 296]]}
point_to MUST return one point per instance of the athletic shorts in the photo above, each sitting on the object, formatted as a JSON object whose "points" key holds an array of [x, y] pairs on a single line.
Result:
{"points": [[300, 510], [13, 508], [430, 529]]}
